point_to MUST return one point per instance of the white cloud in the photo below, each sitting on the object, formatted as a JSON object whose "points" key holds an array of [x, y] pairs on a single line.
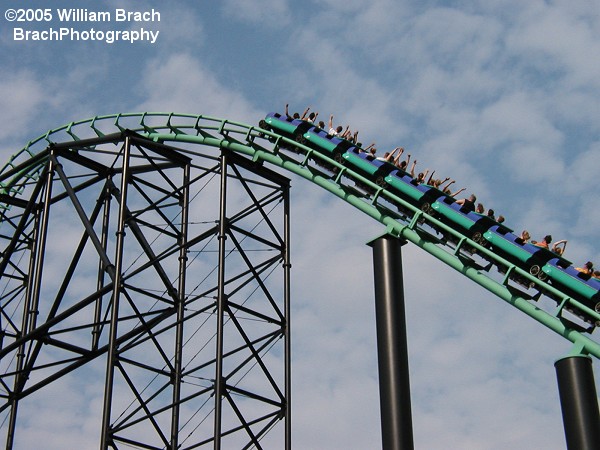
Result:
{"points": [[562, 39], [271, 15], [582, 173], [22, 96], [181, 84], [180, 26]]}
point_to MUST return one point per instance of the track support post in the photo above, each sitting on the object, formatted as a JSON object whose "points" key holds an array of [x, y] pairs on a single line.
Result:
{"points": [[579, 402], [392, 347]]}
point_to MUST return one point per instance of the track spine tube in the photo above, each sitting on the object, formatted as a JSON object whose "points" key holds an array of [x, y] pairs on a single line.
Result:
{"points": [[404, 231], [392, 347]]}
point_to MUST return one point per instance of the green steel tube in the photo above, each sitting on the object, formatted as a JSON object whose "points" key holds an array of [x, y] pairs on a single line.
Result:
{"points": [[585, 344], [12, 178]]}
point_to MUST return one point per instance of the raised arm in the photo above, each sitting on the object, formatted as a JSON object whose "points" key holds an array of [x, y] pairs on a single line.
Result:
{"points": [[559, 246], [305, 113], [369, 147], [400, 151], [442, 187], [457, 192], [430, 178], [412, 168], [344, 135]]}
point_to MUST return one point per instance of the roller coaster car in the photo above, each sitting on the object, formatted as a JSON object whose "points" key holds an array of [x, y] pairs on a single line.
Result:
{"points": [[285, 126], [421, 196], [468, 223], [576, 284], [527, 256], [332, 146], [368, 166]]}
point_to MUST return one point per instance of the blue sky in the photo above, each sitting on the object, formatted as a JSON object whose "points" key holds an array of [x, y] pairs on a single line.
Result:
{"points": [[503, 96]]}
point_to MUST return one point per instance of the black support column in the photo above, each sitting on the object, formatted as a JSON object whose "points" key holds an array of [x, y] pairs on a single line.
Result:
{"points": [[579, 402], [392, 348]]}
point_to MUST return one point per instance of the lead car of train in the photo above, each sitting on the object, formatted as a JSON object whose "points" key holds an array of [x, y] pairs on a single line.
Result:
{"points": [[498, 238]]}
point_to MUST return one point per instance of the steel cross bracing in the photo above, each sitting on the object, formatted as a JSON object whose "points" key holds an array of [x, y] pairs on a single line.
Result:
{"points": [[157, 282], [193, 134]]}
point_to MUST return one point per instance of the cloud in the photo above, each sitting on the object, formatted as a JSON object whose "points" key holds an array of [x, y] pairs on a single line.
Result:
{"points": [[333, 82], [22, 96], [72, 405], [270, 15], [180, 26], [560, 39], [181, 84], [470, 377]]}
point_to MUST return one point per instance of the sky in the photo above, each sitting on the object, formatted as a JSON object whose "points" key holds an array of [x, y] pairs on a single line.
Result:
{"points": [[502, 96]]}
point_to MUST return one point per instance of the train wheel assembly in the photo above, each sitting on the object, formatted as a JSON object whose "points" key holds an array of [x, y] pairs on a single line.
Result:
{"points": [[300, 139], [542, 275], [339, 158]]}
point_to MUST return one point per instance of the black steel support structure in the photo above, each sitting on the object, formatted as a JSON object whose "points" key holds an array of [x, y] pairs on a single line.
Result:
{"points": [[221, 303], [579, 402], [392, 347], [157, 278], [112, 351]]}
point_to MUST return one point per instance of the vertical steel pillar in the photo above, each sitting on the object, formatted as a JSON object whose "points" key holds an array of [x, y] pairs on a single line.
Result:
{"points": [[21, 355], [114, 320], [183, 259], [32, 293], [579, 402], [221, 300], [287, 314], [392, 347]]}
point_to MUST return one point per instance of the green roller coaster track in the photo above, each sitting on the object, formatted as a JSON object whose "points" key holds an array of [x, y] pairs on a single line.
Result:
{"points": [[263, 146]]}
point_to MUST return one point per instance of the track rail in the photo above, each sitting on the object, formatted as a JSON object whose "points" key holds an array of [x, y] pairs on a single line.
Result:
{"points": [[197, 133]]}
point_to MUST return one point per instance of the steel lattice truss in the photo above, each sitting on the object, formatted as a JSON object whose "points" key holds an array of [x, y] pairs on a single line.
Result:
{"points": [[158, 283]]}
